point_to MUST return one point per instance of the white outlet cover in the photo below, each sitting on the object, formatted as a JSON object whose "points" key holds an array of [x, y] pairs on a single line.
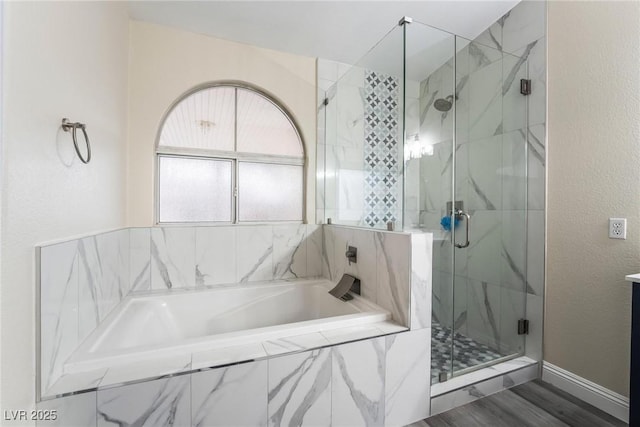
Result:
{"points": [[617, 228]]}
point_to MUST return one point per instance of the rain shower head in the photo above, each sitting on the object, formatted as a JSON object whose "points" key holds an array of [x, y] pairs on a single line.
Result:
{"points": [[443, 104]]}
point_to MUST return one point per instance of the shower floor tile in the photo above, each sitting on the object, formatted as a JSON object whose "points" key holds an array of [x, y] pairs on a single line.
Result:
{"points": [[467, 352]]}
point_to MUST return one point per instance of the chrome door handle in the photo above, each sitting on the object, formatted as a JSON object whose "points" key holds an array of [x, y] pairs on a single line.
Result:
{"points": [[459, 213]]}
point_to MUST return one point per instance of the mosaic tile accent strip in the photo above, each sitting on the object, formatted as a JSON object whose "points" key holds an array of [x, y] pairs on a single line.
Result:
{"points": [[381, 148], [467, 352]]}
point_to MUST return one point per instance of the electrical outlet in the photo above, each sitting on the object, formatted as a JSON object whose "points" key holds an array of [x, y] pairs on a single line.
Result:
{"points": [[617, 228]]}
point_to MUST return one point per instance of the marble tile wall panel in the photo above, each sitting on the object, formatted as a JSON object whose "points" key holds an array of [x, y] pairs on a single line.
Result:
{"points": [[492, 36], [71, 411], [215, 255], [346, 165], [485, 101], [335, 264], [436, 311], [514, 104], [476, 56], [512, 309], [407, 377], [90, 274], [300, 389], [289, 251], [460, 305], [173, 257], [351, 196], [484, 254], [514, 170], [421, 280], [412, 193], [103, 265], [483, 174], [164, 402], [234, 395], [378, 381], [436, 126], [524, 23], [314, 250], [412, 108], [358, 389], [435, 185], [349, 98], [58, 308], [513, 250], [393, 259], [383, 265], [255, 253], [484, 313], [140, 259]]}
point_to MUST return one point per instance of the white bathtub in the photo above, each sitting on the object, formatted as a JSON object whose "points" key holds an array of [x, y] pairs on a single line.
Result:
{"points": [[189, 321]]}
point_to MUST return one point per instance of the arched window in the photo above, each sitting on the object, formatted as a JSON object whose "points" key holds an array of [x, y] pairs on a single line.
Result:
{"points": [[229, 153]]}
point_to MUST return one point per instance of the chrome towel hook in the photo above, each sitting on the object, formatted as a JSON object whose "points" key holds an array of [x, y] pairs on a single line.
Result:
{"points": [[68, 126]]}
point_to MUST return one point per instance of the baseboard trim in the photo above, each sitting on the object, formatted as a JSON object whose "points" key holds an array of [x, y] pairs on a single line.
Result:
{"points": [[602, 398]]}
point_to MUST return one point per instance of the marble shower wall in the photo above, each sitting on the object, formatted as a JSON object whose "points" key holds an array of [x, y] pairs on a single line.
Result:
{"points": [[394, 269], [500, 139], [81, 281], [374, 382]]}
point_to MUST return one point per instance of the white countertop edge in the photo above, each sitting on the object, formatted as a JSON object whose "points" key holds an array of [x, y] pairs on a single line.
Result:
{"points": [[632, 278]]}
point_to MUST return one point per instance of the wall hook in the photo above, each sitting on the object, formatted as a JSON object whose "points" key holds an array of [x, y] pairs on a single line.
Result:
{"points": [[68, 126]]}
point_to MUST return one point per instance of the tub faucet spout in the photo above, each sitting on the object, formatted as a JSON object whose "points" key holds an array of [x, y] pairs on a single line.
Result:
{"points": [[347, 284]]}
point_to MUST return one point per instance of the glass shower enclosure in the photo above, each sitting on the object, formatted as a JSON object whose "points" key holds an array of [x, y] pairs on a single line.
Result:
{"points": [[428, 133]]}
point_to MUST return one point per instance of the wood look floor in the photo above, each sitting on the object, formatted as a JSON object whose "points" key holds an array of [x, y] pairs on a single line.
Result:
{"points": [[533, 404]]}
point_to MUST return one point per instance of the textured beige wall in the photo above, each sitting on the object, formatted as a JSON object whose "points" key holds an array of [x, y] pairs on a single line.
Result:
{"points": [[59, 59], [593, 174], [165, 62]]}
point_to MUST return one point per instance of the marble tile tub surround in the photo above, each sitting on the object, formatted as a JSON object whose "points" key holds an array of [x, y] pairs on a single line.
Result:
{"points": [[82, 280], [378, 381], [394, 269]]}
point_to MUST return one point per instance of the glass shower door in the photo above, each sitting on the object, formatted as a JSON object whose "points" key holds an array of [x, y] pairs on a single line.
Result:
{"points": [[465, 182], [487, 208]]}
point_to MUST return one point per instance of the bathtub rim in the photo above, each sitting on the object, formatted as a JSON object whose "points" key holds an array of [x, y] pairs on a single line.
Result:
{"points": [[82, 360]]}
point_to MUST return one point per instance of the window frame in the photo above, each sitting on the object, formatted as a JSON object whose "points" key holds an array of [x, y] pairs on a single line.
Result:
{"points": [[234, 156]]}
